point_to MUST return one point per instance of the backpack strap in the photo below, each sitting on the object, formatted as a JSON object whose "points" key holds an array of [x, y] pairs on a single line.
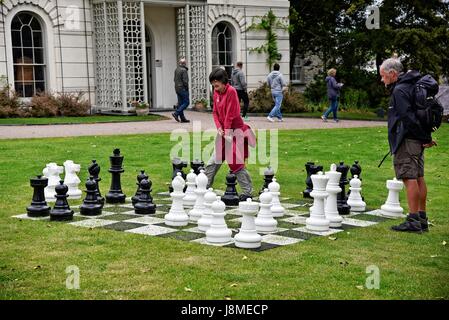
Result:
{"points": [[388, 153]]}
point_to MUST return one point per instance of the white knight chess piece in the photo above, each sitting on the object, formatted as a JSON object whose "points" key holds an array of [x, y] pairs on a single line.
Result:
{"points": [[52, 172], [71, 179]]}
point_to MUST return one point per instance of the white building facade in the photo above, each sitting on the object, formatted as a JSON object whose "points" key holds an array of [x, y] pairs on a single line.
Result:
{"points": [[122, 51]]}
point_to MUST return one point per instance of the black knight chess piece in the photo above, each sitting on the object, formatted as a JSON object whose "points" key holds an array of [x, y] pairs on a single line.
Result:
{"points": [[140, 177], [115, 194], [231, 197], [61, 211], [177, 165], [94, 171], [311, 169], [144, 204], [91, 206], [342, 205], [196, 165], [38, 207], [268, 178]]}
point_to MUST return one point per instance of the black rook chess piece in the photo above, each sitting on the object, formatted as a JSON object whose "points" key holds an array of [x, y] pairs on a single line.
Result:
{"points": [[144, 204], [196, 165], [115, 194], [268, 178], [231, 197], [91, 206], [38, 207], [342, 205], [61, 211], [177, 165], [311, 168], [140, 177], [94, 171]]}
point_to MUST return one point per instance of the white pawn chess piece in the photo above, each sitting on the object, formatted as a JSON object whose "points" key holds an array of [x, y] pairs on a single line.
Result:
{"points": [[218, 231], [52, 172], [177, 215], [190, 196], [355, 198], [392, 207], [198, 209], [206, 219], [265, 221], [248, 237], [333, 189], [317, 220], [71, 179], [277, 209]]}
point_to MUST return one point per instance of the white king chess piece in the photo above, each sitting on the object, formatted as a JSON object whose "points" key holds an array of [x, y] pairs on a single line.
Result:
{"points": [[198, 209], [317, 220], [355, 198], [71, 179], [248, 237], [206, 219], [177, 216], [190, 196], [218, 231], [333, 189], [265, 221], [52, 172], [392, 207], [277, 209]]}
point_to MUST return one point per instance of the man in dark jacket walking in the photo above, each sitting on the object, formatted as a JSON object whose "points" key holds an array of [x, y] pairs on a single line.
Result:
{"points": [[407, 142], [239, 83], [182, 90]]}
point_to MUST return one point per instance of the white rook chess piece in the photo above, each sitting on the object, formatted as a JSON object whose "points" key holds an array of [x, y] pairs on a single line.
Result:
{"points": [[392, 207], [333, 188], [177, 216], [52, 172], [317, 220], [248, 237], [277, 209], [206, 219], [218, 231], [198, 209], [355, 198], [190, 197], [265, 221], [71, 179]]}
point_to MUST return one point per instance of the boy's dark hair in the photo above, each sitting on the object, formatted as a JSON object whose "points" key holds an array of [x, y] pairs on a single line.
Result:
{"points": [[239, 64], [220, 75], [276, 67]]}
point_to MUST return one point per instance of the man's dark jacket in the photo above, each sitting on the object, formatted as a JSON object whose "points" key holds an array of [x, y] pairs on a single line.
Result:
{"points": [[402, 121], [181, 79]]}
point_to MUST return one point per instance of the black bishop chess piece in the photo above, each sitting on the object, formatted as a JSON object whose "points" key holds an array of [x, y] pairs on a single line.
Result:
{"points": [[140, 177], [177, 165], [356, 169], [144, 204], [342, 204], [115, 194], [196, 165], [38, 207], [91, 206], [61, 211], [268, 175], [94, 171], [231, 197], [311, 169]]}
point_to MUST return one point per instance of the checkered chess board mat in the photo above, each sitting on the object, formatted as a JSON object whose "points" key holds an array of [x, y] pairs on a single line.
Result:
{"points": [[291, 227]]}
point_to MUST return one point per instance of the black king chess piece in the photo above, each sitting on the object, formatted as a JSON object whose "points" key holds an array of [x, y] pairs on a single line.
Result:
{"points": [[91, 206], [144, 204], [231, 197], [177, 165], [268, 175], [61, 211], [140, 177], [196, 165], [38, 207], [115, 194], [311, 168], [342, 205], [94, 171]]}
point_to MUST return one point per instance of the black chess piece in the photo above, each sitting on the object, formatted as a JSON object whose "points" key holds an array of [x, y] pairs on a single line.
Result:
{"points": [[38, 207], [61, 211], [231, 197], [140, 177], [268, 178], [311, 168], [144, 204], [115, 194], [342, 205], [177, 165], [94, 171], [196, 165], [91, 206]]}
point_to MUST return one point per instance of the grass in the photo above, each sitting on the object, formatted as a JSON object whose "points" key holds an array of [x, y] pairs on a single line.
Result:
{"points": [[343, 115], [115, 265], [73, 120]]}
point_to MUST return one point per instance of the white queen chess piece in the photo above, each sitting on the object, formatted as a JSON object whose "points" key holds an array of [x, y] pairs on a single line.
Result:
{"points": [[218, 231], [248, 237], [190, 196], [206, 219], [71, 179], [265, 221], [333, 188], [277, 209], [355, 198], [198, 209], [317, 220], [177, 215], [392, 207], [52, 172]]}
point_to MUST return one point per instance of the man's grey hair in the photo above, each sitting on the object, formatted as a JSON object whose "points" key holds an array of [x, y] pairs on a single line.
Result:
{"points": [[182, 61], [391, 64]]}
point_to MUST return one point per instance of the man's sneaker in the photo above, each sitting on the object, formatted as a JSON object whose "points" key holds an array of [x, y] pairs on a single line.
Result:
{"points": [[243, 197], [424, 224], [336, 120], [185, 120], [409, 225], [324, 118], [175, 116], [280, 120], [270, 119]]}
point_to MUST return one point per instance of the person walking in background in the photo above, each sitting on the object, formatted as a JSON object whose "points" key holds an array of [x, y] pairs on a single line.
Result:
{"points": [[333, 92], [276, 82], [239, 83], [182, 90]]}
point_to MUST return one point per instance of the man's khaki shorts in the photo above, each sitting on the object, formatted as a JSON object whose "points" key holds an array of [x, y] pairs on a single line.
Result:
{"points": [[408, 160]]}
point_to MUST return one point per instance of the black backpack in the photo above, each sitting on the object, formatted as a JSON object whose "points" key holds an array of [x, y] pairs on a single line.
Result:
{"points": [[429, 111]]}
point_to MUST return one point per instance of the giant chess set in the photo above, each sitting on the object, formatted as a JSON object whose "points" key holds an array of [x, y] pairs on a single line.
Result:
{"points": [[191, 212]]}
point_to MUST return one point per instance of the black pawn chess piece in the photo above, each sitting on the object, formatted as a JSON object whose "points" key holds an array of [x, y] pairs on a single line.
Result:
{"points": [[231, 197], [61, 211], [342, 205], [311, 169], [144, 204], [356, 169], [140, 177], [177, 165], [91, 206], [38, 207], [115, 194], [196, 165], [94, 171], [268, 178]]}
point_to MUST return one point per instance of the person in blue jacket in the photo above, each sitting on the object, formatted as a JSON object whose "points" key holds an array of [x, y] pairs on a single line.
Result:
{"points": [[333, 92]]}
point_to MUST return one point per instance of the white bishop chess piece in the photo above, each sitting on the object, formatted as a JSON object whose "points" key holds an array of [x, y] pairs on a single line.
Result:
{"points": [[52, 172], [392, 208], [206, 219], [177, 215], [355, 197], [190, 196], [198, 209], [218, 231], [71, 179], [333, 189], [265, 221], [248, 237], [317, 220], [277, 209]]}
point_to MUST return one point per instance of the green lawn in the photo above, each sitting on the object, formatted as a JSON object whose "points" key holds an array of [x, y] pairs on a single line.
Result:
{"points": [[115, 265], [87, 119], [342, 115]]}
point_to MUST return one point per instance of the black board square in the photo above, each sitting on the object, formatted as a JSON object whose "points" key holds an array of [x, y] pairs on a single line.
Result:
{"points": [[264, 246], [182, 235], [296, 234], [122, 226]]}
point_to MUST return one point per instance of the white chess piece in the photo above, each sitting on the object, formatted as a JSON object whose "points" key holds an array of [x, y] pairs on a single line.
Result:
{"points": [[277, 209], [71, 179], [333, 188], [218, 231], [177, 215], [392, 207], [206, 219], [190, 196], [198, 209], [265, 221], [248, 237], [317, 220], [355, 198], [52, 172]]}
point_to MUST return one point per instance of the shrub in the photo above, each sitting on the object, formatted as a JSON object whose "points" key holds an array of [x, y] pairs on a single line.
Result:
{"points": [[43, 105], [72, 104], [353, 99], [10, 105], [316, 90]]}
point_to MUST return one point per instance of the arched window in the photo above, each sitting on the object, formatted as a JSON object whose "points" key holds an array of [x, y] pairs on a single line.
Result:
{"points": [[222, 46], [28, 54]]}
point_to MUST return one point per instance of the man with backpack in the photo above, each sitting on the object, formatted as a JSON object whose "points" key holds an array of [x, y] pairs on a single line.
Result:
{"points": [[408, 138]]}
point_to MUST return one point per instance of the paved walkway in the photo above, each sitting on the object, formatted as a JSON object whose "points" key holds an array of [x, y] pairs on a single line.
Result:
{"points": [[200, 120]]}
